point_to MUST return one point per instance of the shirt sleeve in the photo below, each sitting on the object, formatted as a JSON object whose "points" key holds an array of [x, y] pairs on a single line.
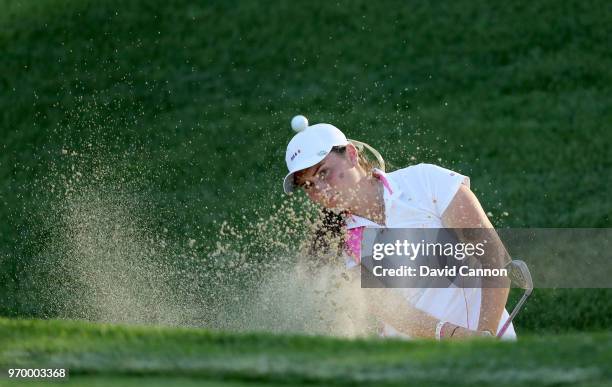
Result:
{"points": [[442, 185]]}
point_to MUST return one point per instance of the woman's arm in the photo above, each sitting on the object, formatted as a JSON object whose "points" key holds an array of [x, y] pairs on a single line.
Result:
{"points": [[388, 305], [465, 212]]}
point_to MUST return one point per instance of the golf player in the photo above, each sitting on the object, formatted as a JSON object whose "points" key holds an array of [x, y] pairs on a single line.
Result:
{"points": [[335, 173]]}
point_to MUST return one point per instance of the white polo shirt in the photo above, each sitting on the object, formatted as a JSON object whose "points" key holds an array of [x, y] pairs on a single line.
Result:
{"points": [[416, 197]]}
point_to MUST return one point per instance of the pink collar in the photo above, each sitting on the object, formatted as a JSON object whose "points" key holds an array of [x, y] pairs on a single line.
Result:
{"points": [[354, 235], [380, 175]]}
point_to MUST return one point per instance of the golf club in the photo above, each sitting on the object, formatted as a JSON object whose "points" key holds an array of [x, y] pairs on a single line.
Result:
{"points": [[520, 276]]}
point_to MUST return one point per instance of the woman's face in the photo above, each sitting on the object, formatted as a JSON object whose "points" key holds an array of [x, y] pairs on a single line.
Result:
{"points": [[332, 182]]}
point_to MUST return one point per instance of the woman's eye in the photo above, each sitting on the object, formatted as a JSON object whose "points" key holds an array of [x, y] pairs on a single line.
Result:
{"points": [[307, 185], [322, 174]]}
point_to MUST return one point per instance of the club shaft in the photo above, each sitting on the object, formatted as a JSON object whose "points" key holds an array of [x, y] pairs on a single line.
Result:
{"points": [[513, 314]]}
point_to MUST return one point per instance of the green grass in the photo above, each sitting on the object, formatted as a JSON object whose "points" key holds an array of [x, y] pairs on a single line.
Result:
{"points": [[137, 354], [190, 102]]}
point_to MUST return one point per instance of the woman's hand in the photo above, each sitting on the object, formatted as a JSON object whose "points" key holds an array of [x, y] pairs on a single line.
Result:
{"points": [[452, 332], [462, 332]]}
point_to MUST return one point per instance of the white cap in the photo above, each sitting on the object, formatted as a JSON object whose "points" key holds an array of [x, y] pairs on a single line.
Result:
{"points": [[309, 146]]}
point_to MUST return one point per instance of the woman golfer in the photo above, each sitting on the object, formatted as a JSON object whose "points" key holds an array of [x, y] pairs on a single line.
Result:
{"points": [[336, 174]]}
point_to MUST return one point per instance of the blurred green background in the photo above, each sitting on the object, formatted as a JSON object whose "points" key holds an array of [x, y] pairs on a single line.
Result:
{"points": [[185, 106]]}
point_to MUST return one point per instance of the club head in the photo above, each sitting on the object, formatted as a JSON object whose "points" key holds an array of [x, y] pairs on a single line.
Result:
{"points": [[519, 274]]}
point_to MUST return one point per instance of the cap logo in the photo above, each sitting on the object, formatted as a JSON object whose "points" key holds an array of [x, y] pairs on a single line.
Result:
{"points": [[322, 153], [293, 156]]}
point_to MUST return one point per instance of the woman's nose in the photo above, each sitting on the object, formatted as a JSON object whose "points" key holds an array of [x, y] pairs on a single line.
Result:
{"points": [[322, 188]]}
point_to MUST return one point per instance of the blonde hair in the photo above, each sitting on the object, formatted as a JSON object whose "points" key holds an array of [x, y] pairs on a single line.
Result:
{"points": [[367, 160]]}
